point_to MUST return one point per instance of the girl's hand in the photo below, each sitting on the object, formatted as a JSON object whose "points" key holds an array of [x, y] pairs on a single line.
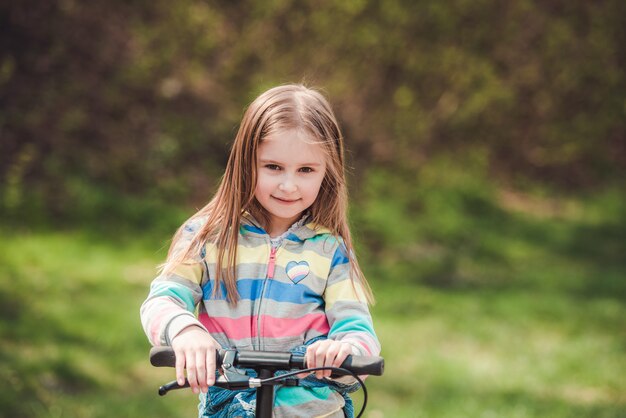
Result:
{"points": [[195, 351], [327, 353]]}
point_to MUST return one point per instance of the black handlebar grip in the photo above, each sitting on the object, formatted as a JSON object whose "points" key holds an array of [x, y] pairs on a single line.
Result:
{"points": [[370, 365], [162, 357]]}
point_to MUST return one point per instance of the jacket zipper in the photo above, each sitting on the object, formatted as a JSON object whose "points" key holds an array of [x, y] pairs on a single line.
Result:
{"points": [[271, 265]]}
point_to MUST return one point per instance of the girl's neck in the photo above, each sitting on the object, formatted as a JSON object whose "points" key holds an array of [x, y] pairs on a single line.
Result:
{"points": [[275, 231], [278, 227], [276, 234]]}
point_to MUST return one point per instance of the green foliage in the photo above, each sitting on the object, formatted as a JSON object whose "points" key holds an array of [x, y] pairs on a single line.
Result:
{"points": [[97, 210], [452, 227], [144, 97]]}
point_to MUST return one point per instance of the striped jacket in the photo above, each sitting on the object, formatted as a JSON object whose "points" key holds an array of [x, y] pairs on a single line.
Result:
{"points": [[287, 296]]}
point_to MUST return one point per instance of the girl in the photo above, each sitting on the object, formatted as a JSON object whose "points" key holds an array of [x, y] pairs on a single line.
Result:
{"points": [[269, 261]]}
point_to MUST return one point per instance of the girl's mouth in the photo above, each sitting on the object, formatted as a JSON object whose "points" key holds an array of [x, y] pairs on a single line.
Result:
{"points": [[286, 201]]}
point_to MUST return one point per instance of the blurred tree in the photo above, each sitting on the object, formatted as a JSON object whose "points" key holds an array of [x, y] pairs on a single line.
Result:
{"points": [[144, 97]]}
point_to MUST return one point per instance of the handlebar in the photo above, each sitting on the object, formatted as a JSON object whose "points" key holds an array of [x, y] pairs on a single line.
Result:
{"points": [[265, 363], [276, 360]]}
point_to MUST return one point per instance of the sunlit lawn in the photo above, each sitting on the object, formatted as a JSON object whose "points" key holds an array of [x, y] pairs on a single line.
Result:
{"points": [[502, 354], [71, 343]]}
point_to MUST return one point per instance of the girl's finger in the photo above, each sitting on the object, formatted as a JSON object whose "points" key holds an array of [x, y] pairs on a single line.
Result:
{"points": [[343, 353], [320, 358], [180, 367], [210, 367], [310, 355], [329, 359], [191, 372], [201, 371]]}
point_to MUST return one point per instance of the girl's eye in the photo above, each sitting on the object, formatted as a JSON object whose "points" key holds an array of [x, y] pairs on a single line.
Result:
{"points": [[306, 170], [272, 166]]}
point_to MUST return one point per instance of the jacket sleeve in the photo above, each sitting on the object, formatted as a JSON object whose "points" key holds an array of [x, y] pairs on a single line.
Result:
{"points": [[346, 308], [171, 303]]}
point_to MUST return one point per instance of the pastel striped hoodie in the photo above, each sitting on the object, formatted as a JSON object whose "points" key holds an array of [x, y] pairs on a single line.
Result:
{"points": [[287, 295]]}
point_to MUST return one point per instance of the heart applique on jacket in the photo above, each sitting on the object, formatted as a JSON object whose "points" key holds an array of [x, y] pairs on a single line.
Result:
{"points": [[297, 270]]}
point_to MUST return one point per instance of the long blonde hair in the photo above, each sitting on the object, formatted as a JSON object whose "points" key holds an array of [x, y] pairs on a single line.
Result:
{"points": [[286, 107]]}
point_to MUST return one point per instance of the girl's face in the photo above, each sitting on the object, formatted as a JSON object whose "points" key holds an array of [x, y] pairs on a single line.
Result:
{"points": [[290, 170]]}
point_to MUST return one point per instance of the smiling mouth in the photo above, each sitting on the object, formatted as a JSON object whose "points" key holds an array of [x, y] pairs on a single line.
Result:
{"points": [[285, 200]]}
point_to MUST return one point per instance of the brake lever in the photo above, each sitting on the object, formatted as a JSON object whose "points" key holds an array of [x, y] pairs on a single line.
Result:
{"points": [[230, 377]]}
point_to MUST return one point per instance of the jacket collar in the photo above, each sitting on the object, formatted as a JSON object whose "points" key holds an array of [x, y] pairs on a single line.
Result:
{"points": [[250, 226]]}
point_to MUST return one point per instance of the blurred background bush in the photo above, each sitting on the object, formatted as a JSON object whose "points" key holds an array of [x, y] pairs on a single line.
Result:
{"points": [[487, 155]]}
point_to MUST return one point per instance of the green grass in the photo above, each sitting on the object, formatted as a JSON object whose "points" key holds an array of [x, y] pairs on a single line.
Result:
{"points": [[71, 341], [501, 354], [530, 321]]}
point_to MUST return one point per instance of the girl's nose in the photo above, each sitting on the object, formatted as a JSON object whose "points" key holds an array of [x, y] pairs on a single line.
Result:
{"points": [[287, 185]]}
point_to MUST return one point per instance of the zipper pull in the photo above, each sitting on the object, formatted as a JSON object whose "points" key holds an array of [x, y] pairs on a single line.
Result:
{"points": [[272, 264]]}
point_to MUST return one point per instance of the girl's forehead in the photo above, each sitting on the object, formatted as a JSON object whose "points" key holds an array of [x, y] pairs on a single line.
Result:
{"points": [[289, 136], [292, 145]]}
